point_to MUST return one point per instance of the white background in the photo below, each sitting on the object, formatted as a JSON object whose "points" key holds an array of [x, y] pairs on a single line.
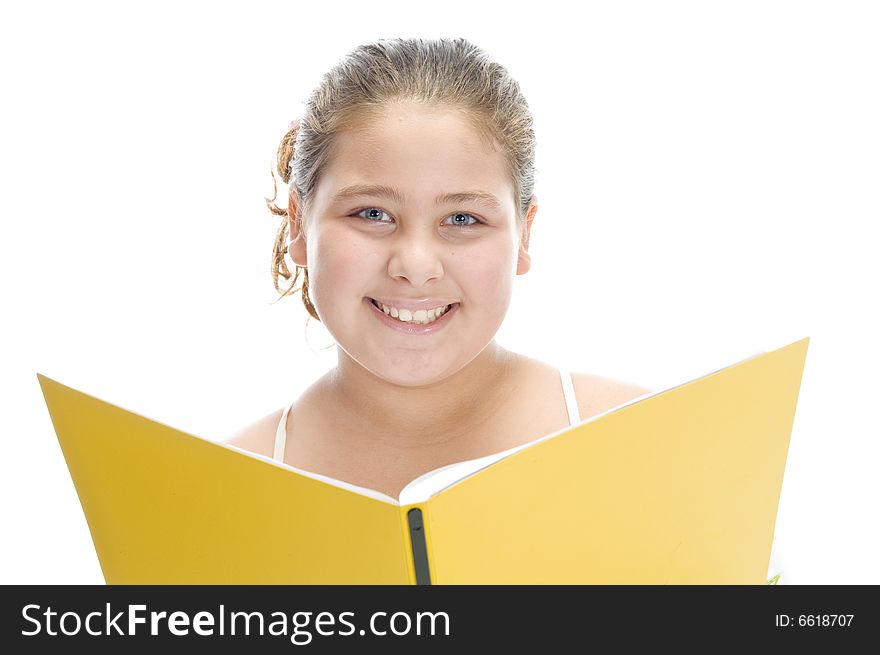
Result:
{"points": [[708, 188]]}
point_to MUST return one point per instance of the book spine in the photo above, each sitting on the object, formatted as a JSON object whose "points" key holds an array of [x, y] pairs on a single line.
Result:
{"points": [[415, 522]]}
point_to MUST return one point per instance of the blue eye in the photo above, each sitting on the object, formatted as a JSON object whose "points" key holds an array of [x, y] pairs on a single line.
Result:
{"points": [[462, 214], [374, 211], [370, 209]]}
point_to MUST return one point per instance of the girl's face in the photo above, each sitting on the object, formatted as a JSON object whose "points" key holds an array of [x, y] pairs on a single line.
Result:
{"points": [[412, 241]]}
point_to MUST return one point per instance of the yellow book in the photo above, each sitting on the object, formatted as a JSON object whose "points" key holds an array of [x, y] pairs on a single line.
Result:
{"points": [[680, 486]]}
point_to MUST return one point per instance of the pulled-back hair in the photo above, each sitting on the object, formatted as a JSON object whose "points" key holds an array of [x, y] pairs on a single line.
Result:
{"points": [[446, 73]]}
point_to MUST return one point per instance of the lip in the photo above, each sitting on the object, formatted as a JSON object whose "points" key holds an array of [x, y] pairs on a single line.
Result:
{"points": [[413, 328]]}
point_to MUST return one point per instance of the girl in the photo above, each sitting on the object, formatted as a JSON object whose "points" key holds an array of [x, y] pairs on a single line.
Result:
{"points": [[409, 212]]}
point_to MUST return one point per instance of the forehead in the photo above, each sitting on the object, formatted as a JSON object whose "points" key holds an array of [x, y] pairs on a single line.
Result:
{"points": [[423, 152]]}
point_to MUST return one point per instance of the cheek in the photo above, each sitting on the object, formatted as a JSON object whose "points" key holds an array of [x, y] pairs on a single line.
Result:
{"points": [[491, 274], [336, 270]]}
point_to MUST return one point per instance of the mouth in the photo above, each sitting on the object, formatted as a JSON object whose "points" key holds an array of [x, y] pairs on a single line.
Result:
{"points": [[415, 323], [425, 320]]}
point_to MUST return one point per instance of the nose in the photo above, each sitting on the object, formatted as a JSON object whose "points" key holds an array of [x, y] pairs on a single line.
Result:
{"points": [[416, 258]]}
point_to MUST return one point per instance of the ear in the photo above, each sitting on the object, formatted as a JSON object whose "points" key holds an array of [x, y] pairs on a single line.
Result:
{"points": [[524, 261], [297, 246]]}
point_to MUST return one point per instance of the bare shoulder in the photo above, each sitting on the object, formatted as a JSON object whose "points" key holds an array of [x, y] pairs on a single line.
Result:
{"points": [[597, 394], [259, 436]]}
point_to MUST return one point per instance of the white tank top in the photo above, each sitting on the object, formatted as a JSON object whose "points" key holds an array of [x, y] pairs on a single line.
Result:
{"points": [[574, 416]]}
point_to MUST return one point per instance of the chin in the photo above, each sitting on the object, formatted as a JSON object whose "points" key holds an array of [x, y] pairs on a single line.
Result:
{"points": [[417, 370]]}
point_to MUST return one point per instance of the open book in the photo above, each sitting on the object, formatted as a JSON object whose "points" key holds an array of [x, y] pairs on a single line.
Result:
{"points": [[680, 486]]}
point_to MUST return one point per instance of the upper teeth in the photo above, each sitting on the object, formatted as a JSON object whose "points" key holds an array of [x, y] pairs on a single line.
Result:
{"points": [[419, 316]]}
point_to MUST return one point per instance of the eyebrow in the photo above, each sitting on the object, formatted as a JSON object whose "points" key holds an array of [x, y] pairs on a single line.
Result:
{"points": [[383, 191]]}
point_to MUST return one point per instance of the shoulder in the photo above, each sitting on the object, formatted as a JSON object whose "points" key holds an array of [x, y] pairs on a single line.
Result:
{"points": [[597, 394], [259, 436]]}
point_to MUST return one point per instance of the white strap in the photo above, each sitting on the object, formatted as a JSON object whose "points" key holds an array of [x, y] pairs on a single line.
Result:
{"points": [[574, 416], [281, 435]]}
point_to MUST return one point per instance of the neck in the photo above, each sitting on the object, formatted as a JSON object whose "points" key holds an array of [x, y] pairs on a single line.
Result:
{"points": [[416, 416]]}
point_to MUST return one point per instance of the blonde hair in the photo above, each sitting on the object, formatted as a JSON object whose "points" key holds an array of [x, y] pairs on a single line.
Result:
{"points": [[448, 73]]}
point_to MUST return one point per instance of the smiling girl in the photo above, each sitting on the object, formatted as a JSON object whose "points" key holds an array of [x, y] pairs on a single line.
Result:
{"points": [[410, 207]]}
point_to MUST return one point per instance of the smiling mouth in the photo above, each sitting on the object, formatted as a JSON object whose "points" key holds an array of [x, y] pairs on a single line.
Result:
{"points": [[420, 317]]}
